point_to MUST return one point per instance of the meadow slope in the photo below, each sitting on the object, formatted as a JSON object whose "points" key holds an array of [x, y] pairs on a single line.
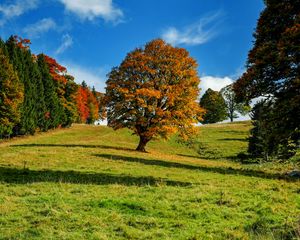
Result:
{"points": [[87, 182]]}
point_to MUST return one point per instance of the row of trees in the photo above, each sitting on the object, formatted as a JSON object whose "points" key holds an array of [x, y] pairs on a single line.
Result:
{"points": [[37, 93]]}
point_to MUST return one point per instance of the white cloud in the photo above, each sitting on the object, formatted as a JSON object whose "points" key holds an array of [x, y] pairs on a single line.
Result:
{"points": [[91, 9], [215, 83], [19, 7], [36, 29], [67, 42], [93, 77], [195, 34]]}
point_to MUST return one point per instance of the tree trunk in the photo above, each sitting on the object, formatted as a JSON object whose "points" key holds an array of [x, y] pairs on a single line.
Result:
{"points": [[231, 115], [142, 144]]}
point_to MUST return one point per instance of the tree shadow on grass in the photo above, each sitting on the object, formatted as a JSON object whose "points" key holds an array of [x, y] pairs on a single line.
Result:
{"points": [[211, 157], [233, 139], [221, 170], [234, 132], [25, 176], [191, 156], [205, 157], [73, 146]]}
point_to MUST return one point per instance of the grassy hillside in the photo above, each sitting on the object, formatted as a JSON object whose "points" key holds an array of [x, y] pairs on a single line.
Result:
{"points": [[86, 182]]}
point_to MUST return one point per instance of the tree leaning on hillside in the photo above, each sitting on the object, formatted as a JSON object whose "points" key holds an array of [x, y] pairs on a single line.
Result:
{"points": [[153, 92]]}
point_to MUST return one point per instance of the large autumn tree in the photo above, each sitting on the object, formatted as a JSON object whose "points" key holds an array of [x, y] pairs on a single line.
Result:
{"points": [[273, 71], [153, 92]]}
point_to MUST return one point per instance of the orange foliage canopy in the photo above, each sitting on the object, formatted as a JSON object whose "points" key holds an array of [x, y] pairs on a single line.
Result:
{"points": [[153, 92], [82, 107], [87, 105], [22, 43], [93, 105], [56, 70]]}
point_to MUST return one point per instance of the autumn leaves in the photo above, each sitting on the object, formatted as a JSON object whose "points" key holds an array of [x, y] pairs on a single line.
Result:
{"points": [[153, 92]]}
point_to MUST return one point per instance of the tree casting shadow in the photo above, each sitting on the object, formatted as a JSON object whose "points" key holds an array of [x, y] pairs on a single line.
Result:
{"points": [[222, 170], [24, 176], [73, 146]]}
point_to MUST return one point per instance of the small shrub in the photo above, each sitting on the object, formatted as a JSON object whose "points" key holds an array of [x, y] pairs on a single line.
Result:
{"points": [[208, 152], [245, 158]]}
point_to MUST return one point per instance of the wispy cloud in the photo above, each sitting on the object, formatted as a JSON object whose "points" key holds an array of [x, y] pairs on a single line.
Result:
{"points": [[36, 29], [92, 76], [15, 9], [214, 83], [91, 9], [67, 42], [195, 34]]}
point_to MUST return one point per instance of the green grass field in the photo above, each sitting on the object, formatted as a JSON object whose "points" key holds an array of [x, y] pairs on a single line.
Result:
{"points": [[86, 182]]}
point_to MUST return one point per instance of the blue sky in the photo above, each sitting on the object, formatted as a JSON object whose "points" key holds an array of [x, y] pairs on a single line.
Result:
{"points": [[89, 37]]}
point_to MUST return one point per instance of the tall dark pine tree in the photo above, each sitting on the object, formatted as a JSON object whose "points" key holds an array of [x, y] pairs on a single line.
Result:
{"points": [[19, 57], [94, 92], [54, 110], [3, 47], [273, 62], [38, 91], [70, 95], [83, 84], [262, 141], [273, 67]]}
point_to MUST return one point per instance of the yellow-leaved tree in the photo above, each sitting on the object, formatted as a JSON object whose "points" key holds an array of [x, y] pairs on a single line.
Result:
{"points": [[153, 92]]}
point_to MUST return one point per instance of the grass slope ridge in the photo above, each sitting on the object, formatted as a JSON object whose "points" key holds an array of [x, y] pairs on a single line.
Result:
{"points": [[86, 182]]}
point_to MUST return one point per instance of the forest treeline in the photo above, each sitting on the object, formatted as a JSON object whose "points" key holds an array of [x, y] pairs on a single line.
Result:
{"points": [[38, 94]]}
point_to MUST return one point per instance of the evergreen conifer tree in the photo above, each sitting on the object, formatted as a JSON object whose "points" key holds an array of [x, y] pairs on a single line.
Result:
{"points": [[11, 96], [19, 58], [53, 108]]}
